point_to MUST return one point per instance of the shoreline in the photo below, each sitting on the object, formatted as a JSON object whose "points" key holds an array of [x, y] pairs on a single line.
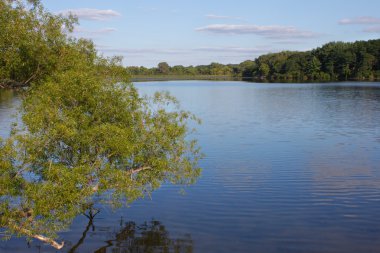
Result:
{"points": [[215, 78], [231, 78]]}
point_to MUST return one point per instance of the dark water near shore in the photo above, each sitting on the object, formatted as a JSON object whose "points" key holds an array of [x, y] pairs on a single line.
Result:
{"points": [[288, 168]]}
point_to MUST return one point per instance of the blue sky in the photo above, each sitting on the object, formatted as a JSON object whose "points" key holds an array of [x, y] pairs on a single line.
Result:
{"points": [[196, 32]]}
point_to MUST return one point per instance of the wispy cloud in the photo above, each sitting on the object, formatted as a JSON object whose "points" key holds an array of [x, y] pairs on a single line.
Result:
{"points": [[94, 32], [228, 50], [270, 32], [148, 8], [213, 16], [140, 51], [372, 29], [289, 42], [365, 20], [186, 56], [213, 51], [372, 23], [235, 50], [81, 32], [91, 14]]}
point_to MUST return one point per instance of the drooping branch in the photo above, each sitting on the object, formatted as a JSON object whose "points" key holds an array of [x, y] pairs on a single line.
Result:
{"points": [[42, 238], [50, 241]]}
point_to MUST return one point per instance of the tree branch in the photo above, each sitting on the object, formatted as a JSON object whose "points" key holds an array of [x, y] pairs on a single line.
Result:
{"points": [[95, 187], [42, 238], [137, 170], [7, 83], [34, 75]]}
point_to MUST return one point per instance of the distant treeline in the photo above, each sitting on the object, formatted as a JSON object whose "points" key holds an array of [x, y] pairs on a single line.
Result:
{"points": [[333, 61]]}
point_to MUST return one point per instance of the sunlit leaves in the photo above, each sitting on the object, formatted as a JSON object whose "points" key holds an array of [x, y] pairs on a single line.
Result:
{"points": [[86, 133]]}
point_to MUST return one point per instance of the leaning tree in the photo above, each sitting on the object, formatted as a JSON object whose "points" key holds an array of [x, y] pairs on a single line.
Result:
{"points": [[86, 134]]}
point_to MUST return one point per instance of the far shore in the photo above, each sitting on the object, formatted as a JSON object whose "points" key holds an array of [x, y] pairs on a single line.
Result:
{"points": [[158, 78], [232, 78]]}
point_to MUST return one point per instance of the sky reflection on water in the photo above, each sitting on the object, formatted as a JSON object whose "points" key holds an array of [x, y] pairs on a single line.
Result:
{"points": [[288, 168]]}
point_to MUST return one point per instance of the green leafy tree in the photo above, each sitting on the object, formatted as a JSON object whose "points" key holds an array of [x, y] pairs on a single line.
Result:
{"points": [[86, 132], [367, 62], [332, 61], [178, 70], [264, 70], [313, 68], [32, 43], [163, 68]]}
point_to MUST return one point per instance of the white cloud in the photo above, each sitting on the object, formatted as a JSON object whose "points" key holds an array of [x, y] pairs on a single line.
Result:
{"points": [[365, 20], [91, 14], [213, 16], [271, 32]]}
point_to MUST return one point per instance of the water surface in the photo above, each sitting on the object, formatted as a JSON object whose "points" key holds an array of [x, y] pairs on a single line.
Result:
{"points": [[288, 168]]}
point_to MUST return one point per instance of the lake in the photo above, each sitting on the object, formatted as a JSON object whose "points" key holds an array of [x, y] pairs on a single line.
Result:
{"points": [[287, 168]]}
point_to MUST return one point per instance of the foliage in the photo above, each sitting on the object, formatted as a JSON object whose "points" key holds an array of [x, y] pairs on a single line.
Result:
{"points": [[31, 42], [333, 61], [86, 131], [163, 68]]}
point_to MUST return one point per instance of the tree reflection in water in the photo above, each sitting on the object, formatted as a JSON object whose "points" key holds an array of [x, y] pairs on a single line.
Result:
{"points": [[149, 237]]}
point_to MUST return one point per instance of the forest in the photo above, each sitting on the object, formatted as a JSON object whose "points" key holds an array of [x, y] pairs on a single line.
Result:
{"points": [[334, 61]]}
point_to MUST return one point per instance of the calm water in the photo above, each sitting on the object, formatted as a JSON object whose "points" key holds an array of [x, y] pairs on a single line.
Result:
{"points": [[288, 168]]}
